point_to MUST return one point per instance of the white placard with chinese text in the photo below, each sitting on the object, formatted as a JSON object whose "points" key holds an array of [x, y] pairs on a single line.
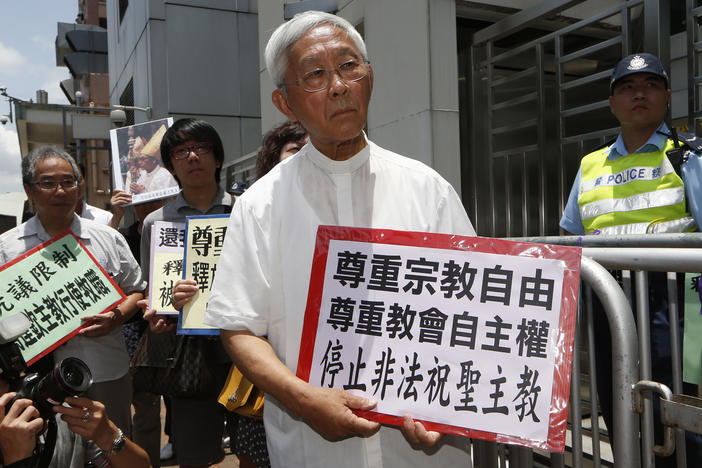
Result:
{"points": [[458, 338], [54, 285], [167, 248]]}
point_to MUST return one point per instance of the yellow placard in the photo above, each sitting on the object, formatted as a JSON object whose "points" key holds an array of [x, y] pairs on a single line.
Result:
{"points": [[204, 237]]}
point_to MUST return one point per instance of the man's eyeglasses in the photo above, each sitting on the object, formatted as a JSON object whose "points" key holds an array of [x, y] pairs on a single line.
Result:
{"points": [[199, 149], [319, 78], [49, 185]]}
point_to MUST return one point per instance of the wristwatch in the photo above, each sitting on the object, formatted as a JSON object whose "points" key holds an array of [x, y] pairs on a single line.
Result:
{"points": [[117, 444]]}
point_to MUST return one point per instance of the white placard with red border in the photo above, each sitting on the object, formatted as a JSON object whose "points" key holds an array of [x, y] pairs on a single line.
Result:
{"points": [[473, 336]]}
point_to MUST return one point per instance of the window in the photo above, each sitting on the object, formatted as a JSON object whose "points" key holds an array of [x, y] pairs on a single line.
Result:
{"points": [[123, 4], [127, 99]]}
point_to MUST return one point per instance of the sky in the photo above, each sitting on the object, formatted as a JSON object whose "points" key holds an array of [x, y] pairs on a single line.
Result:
{"points": [[28, 63]]}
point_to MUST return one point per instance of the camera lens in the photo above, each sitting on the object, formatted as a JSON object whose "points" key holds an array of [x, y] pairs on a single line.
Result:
{"points": [[69, 377], [73, 376]]}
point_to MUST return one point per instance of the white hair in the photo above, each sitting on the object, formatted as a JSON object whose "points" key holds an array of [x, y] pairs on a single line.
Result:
{"points": [[287, 34]]}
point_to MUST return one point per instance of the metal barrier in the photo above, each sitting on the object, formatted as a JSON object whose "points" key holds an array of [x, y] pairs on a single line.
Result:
{"points": [[631, 383]]}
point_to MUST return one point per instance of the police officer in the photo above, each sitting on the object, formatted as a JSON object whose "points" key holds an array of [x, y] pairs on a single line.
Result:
{"points": [[631, 187], [636, 186]]}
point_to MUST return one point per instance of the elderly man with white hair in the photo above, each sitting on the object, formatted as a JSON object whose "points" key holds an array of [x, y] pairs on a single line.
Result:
{"points": [[324, 80]]}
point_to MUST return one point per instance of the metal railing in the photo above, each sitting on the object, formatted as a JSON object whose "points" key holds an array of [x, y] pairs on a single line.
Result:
{"points": [[631, 360]]}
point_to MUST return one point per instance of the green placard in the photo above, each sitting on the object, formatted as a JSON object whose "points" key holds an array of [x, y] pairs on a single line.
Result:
{"points": [[692, 345], [54, 285]]}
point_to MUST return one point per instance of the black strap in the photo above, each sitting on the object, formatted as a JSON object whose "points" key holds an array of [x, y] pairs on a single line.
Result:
{"points": [[683, 143], [680, 153], [47, 450]]}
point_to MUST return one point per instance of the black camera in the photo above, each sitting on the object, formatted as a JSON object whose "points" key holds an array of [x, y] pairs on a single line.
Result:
{"points": [[69, 377]]}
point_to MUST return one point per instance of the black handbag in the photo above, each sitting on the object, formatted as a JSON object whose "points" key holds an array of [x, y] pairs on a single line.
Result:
{"points": [[179, 367]]}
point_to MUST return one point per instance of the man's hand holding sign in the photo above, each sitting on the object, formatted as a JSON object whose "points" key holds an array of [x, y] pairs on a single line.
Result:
{"points": [[329, 411], [101, 324]]}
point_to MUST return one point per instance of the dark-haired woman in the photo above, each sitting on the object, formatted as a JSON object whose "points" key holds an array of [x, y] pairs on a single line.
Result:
{"points": [[281, 142]]}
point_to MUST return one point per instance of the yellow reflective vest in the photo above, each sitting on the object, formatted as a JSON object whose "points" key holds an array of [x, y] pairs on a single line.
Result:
{"points": [[635, 194]]}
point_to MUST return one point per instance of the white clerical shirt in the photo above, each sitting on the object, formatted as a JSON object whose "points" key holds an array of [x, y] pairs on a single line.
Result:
{"points": [[264, 270]]}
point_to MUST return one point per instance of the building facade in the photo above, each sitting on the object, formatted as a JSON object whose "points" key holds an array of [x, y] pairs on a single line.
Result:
{"points": [[191, 58], [81, 127], [82, 48], [501, 97]]}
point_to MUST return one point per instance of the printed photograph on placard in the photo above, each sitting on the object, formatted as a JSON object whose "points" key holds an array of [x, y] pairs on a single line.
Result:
{"points": [[137, 163]]}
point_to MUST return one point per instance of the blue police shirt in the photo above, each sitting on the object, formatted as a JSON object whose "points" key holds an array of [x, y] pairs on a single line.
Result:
{"points": [[571, 220]]}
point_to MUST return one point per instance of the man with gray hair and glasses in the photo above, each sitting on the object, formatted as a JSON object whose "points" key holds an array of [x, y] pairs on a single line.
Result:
{"points": [[50, 177], [324, 80]]}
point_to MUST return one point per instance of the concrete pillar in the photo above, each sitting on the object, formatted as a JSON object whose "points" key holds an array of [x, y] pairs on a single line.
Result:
{"points": [[414, 109]]}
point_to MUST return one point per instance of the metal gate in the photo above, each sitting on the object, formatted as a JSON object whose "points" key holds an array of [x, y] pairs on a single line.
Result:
{"points": [[535, 100]]}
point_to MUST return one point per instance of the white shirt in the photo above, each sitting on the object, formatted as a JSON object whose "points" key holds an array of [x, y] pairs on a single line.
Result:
{"points": [[96, 214], [106, 356], [263, 277]]}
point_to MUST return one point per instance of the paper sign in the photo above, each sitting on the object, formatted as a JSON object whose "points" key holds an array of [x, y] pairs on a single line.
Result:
{"points": [[54, 285], [473, 336], [204, 237], [167, 247], [692, 345]]}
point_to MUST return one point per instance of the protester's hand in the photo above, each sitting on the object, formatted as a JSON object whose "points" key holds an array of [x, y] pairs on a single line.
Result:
{"points": [[157, 323], [416, 433], [100, 324], [19, 428], [120, 199], [183, 292], [88, 419], [329, 412]]}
